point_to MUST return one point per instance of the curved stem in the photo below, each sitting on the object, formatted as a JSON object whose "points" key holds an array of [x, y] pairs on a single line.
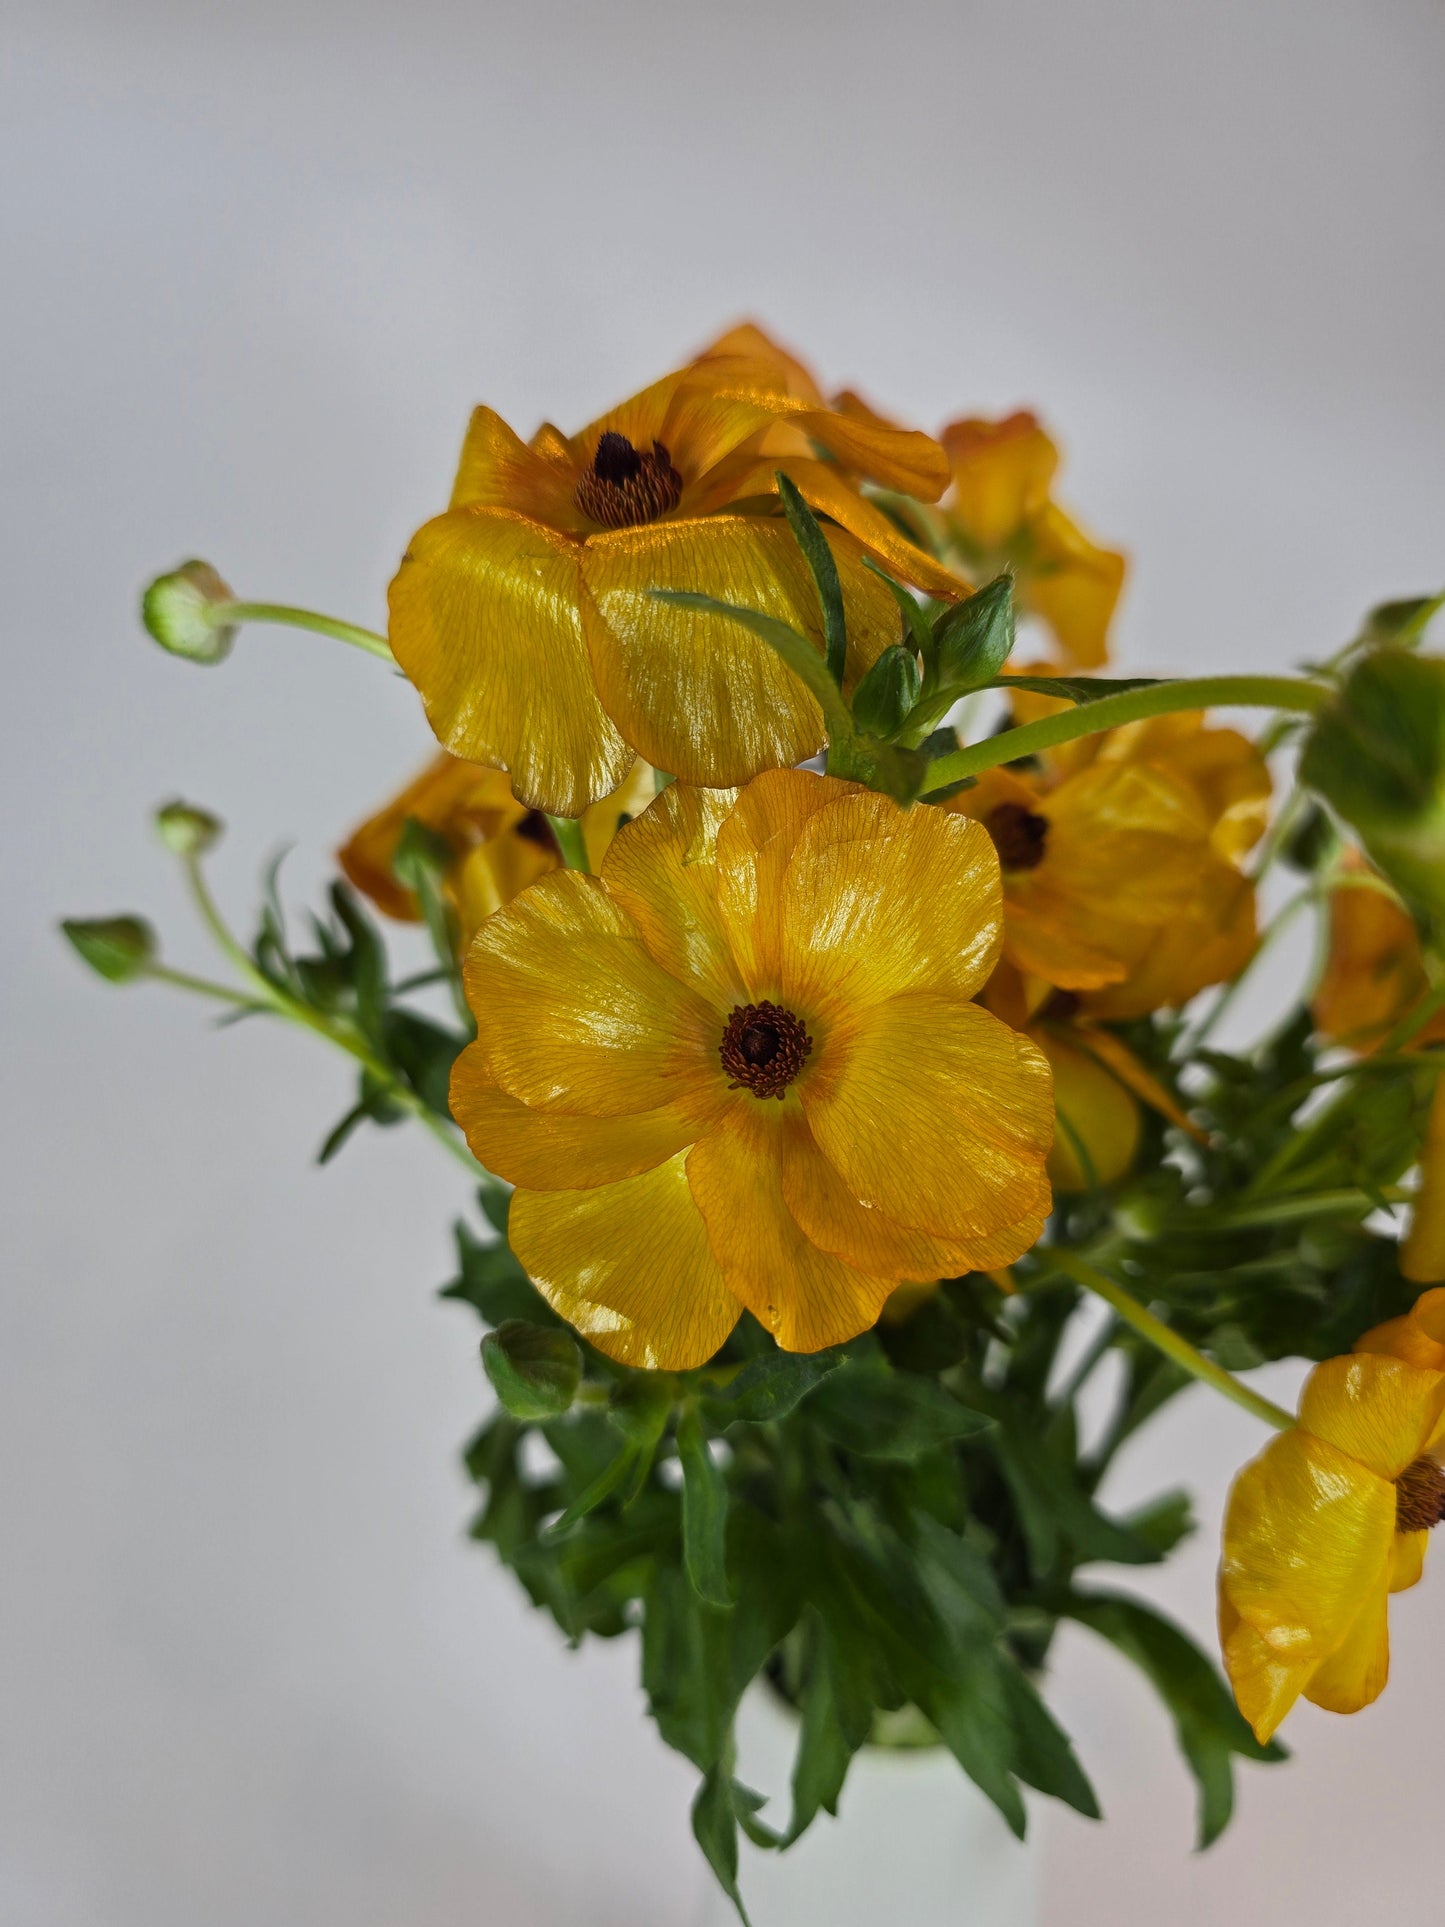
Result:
{"points": [[1164, 1338], [224, 613], [1131, 706]]}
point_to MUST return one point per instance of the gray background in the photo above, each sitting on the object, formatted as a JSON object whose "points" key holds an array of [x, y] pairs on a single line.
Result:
{"points": [[258, 262]]}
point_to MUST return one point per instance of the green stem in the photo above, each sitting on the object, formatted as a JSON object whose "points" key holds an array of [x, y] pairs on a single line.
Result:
{"points": [[571, 842], [1164, 1338], [198, 986], [1132, 706], [225, 613]]}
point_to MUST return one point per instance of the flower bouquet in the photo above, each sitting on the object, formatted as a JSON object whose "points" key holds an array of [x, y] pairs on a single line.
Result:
{"points": [[821, 999]]}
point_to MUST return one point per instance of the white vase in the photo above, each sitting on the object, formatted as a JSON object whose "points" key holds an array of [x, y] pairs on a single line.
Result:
{"points": [[915, 1842]]}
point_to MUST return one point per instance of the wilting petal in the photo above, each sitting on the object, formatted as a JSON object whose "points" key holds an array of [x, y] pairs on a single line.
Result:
{"points": [[937, 1114], [628, 1265], [551, 1150], [499, 471], [879, 899], [1379, 1410], [662, 871], [806, 1298], [1001, 475], [697, 694], [486, 625], [1355, 1673], [754, 848], [1073, 585], [574, 1015]]}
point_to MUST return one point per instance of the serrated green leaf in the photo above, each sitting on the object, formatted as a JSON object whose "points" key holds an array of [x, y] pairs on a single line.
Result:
{"points": [[715, 1828], [534, 1370], [884, 1414]]}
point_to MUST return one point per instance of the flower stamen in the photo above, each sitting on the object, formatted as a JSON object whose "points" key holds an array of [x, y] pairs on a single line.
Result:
{"points": [[763, 1048], [1420, 1496], [624, 487], [1020, 835]]}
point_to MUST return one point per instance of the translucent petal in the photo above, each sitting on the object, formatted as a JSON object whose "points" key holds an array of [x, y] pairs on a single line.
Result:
{"points": [[662, 871], [1379, 1410]]}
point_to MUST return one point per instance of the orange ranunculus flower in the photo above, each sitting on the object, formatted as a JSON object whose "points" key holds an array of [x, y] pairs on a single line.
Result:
{"points": [[1374, 971], [522, 615], [498, 846], [742, 1067], [1327, 1522], [1001, 514]]}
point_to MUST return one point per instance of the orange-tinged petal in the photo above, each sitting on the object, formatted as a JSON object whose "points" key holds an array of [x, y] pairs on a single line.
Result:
{"points": [[574, 1015], [1355, 1673], [551, 1150], [1097, 1138], [755, 845], [806, 1298], [1407, 1560], [697, 694], [464, 802], [1379, 1410], [899, 458], [663, 873], [936, 1114], [485, 623], [748, 342], [1222, 767], [492, 873], [1001, 475], [1207, 943], [1422, 1252], [1135, 1076], [1374, 971], [629, 1266], [1418, 1337], [499, 471], [879, 899], [1073, 585]]}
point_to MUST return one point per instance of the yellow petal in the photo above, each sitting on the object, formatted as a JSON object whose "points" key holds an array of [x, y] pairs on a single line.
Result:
{"points": [[1355, 1673], [1001, 475], [1422, 1254], [1418, 1337], [499, 471], [1135, 1076], [1379, 1410], [601, 821], [936, 1114], [1208, 942], [1098, 1135], [1222, 768], [1266, 1682], [898, 458], [695, 693], [464, 802], [573, 1014], [754, 848], [1073, 585], [748, 342], [806, 1298], [550, 1150], [490, 874], [628, 1265], [879, 899], [1407, 1560], [485, 623], [662, 871]]}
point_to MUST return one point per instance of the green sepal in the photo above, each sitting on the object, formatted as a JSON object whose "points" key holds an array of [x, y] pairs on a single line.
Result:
{"points": [[535, 1371], [120, 949]]}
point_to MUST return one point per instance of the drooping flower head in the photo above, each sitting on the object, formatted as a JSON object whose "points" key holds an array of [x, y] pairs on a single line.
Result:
{"points": [[743, 1067], [523, 614]]}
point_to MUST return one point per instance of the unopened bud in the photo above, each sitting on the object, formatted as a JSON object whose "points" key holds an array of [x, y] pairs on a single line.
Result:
{"points": [[116, 948], [182, 611], [187, 830]]}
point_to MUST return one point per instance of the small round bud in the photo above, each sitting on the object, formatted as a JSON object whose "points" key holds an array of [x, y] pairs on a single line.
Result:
{"points": [[116, 948], [187, 830], [181, 611]]}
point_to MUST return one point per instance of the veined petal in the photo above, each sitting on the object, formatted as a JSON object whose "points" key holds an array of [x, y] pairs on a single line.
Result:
{"points": [[879, 899], [629, 1266], [696, 693], [662, 870], [806, 1298], [574, 1015], [748, 342], [1407, 1560], [1206, 943], [486, 625], [936, 1114], [449, 796], [754, 848], [1379, 1410], [551, 1150], [499, 471], [899, 458]]}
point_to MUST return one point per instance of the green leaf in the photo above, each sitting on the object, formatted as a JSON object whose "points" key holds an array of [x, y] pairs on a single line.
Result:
{"points": [[367, 962], [640, 1407], [715, 1828], [534, 1371], [1054, 1507], [887, 694], [1166, 1521], [883, 1414], [973, 1718], [493, 1283], [704, 1514], [974, 638], [1043, 1755], [608, 1480], [819, 558], [820, 1765], [1078, 689], [794, 649], [771, 1386], [117, 948]]}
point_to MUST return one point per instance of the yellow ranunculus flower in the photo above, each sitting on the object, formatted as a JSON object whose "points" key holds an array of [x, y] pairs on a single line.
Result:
{"points": [[522, 615], [742, 1067], [1374, 972], [498, 845], [1327, 1522], [1418, 1337], [1001, 514]]}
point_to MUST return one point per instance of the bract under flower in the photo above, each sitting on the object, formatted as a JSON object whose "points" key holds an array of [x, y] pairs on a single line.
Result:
{"points": [[743, 1067]]}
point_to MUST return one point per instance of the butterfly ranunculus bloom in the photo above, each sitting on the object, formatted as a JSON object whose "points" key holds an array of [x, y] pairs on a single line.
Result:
{"points": [[1001, 515], [497, 845], [742, 1067], [523, 614], [1329, 1520]]}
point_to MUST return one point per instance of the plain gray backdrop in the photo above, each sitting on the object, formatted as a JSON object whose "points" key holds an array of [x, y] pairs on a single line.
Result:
{"points": [[256, 264]]}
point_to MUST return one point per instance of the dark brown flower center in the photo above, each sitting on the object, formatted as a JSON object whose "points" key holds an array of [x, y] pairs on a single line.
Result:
{"points": [[1020, 835], [535, 828], [763, 1048], [1419, 1497], [624, 487]]}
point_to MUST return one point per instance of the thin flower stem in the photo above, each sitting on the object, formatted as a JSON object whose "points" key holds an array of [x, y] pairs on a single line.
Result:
{"points": [[1131, 706], [198, 986], [224, 613], [1164, 1338], [571, 842]]}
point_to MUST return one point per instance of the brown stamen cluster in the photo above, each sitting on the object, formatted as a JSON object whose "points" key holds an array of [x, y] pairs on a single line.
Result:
{"points": [[624, 487], [763, 1048], [1020, 835], [1419, 1497]]}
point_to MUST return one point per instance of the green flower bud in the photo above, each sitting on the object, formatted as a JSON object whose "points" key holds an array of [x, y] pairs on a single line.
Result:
{"points": [[116, 948], [187, 830], [974, 637], [181, 611], [882, 701], [534, 1370]]}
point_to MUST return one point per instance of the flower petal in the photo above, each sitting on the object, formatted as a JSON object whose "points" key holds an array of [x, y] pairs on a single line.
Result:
{"points": [[448, 796], [1001, 475], [936, 1114], [573, 1014], [1073, 585], [1379, 1410], [754, 848], [1407, 1560], [806, 1298], [695, 693], [499, 471], [1355, 1673], [552, 1150], [485, 623], [662, 870], [1098, 1135], [629, 1266], [1418, 1337], [879, 899]]}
